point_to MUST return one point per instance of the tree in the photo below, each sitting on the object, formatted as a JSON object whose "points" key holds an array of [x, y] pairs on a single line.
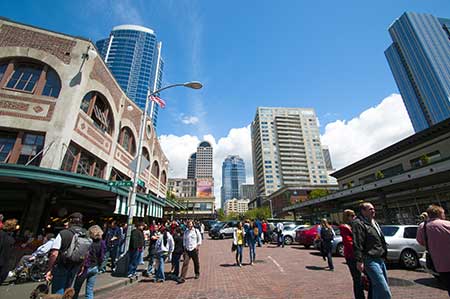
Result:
{"points": [[316, 193], [170, 195], [379, 175], [424, 159], [221, 215], [258, 213]]}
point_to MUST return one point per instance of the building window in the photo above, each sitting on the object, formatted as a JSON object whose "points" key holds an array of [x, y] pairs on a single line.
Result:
{"points": [[30, 77], [97, 108], [126, 140], [80, 161], [155, 169], [21, 147]]}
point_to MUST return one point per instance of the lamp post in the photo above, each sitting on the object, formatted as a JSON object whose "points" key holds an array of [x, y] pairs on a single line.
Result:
{"points": [[132, 194]]}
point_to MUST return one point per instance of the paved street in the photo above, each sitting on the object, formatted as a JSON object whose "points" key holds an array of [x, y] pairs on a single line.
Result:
{"points": [[290, 272]]}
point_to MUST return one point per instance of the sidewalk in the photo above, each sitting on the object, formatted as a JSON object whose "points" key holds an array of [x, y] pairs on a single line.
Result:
{"points": [[105, 282]]}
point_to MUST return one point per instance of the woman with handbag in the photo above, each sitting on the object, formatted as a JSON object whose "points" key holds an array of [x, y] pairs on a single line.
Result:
{"points": [[238, 243]]}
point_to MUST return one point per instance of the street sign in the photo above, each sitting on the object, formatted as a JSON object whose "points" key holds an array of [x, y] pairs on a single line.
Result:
{"points": [[141, 183], [144, 164], [120, 183]]}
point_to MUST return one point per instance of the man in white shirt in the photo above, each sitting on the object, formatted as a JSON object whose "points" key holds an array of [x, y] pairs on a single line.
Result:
{"points": [[191, 244], [280, 237]]}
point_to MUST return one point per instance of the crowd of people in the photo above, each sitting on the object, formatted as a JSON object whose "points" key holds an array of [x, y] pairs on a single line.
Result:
{"points": [[77, 255]]}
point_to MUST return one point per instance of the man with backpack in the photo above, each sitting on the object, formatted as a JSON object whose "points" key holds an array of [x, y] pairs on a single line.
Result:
{"points": [[67, 254]]}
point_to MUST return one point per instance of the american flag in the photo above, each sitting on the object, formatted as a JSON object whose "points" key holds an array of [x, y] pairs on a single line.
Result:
{"points": [[158, 100]]}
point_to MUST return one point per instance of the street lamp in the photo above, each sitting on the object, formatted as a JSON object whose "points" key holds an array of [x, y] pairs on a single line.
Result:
{"points": [[132, 194]]}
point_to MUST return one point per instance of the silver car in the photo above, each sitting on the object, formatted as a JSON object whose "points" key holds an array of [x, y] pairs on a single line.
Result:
{"points": [[289, 232], [402, 245]]}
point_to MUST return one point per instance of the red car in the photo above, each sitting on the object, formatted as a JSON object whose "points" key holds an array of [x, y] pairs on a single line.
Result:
{"points": [[307, 236]]}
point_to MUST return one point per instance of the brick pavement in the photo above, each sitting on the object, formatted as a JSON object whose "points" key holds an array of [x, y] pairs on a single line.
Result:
{"points": [[290, 272]]}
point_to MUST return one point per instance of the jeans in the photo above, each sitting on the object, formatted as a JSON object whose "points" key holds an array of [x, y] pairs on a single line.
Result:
{"points": [[328, 252], [90, 277], [176, 264], [63, 277], [151, 262], [141, 258], [258, 240], [239, 251], [376, 270], [358, 288], [280, 239], [112, 252], [252, 248], [133, 262], [160, 271]]}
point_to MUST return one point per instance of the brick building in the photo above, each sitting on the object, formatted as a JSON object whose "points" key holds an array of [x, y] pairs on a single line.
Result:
{"points": [[66, 130]]}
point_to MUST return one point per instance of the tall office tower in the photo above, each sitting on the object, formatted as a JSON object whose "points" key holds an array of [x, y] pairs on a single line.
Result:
{"points": [[247, 191], [233, 176], [327, 157], [286, 149], [133, 55], [204, 161], [191, 166], [419, 58]]}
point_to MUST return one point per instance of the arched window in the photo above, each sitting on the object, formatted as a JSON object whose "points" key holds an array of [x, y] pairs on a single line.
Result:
{"points": [[145, 154], [30, 77], [126, 140], [155, 169], [96, 106], [163, 177]]}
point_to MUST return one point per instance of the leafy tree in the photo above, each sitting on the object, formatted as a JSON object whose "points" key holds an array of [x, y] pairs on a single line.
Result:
{"points": [[258, 213], [221, 215], [379, 175], [316, 193]]}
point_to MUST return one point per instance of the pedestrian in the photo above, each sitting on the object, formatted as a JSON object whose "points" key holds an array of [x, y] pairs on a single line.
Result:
{"points": [[252, 237], [347, 239], [7, 248], [123, 234], [370, 250], [136, 245], [164, 248], [202, 229], [42, 250], [91, 264], [434, 234], [191, 243], [152, 254], [327, 235], [113, 238], [238, 242], [64, 264], [1, 221], [280, 237], [177, 252], [264, 232], [258, 237]]}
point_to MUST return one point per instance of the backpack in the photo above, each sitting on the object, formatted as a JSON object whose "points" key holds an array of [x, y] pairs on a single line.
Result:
{"points": [[78, 248], [326, 234]]}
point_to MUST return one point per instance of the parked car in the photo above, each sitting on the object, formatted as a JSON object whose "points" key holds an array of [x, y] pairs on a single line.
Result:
{"points": [[214, 227], [289, 232], [209, 224], [337, 245], [306, 237], [223, 230], [402, 245]]}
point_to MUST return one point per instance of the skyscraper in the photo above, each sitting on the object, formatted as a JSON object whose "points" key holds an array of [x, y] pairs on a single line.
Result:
{"points": [[327, 157], [191, 166], [132, 53], [419, 58], [204, 160], [233, 176], [286, 149]]}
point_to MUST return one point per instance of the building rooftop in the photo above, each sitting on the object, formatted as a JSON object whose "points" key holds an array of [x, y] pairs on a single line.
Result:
{"points": [[134, 27]]}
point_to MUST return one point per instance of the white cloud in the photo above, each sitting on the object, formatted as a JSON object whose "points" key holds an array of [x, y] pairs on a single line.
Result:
{"points": [[179, 148], [189, 120], [373, 130]]}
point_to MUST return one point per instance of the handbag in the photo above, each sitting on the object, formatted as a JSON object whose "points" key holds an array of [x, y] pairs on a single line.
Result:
{"points": [[233, 247], [429, 261]]}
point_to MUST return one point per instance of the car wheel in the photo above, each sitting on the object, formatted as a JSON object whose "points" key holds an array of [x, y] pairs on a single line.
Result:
{"points": [[221, 236], [409, 259], [288, 240], [340, 249], [307, 246]]}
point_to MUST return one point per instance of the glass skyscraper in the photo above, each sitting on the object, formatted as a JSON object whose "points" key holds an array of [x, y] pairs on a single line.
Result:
{"points": [[233, 176], [419, 58], [132, 54]]}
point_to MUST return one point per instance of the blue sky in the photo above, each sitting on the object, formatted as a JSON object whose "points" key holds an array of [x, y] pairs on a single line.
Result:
{"points": [[322, 54]]}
